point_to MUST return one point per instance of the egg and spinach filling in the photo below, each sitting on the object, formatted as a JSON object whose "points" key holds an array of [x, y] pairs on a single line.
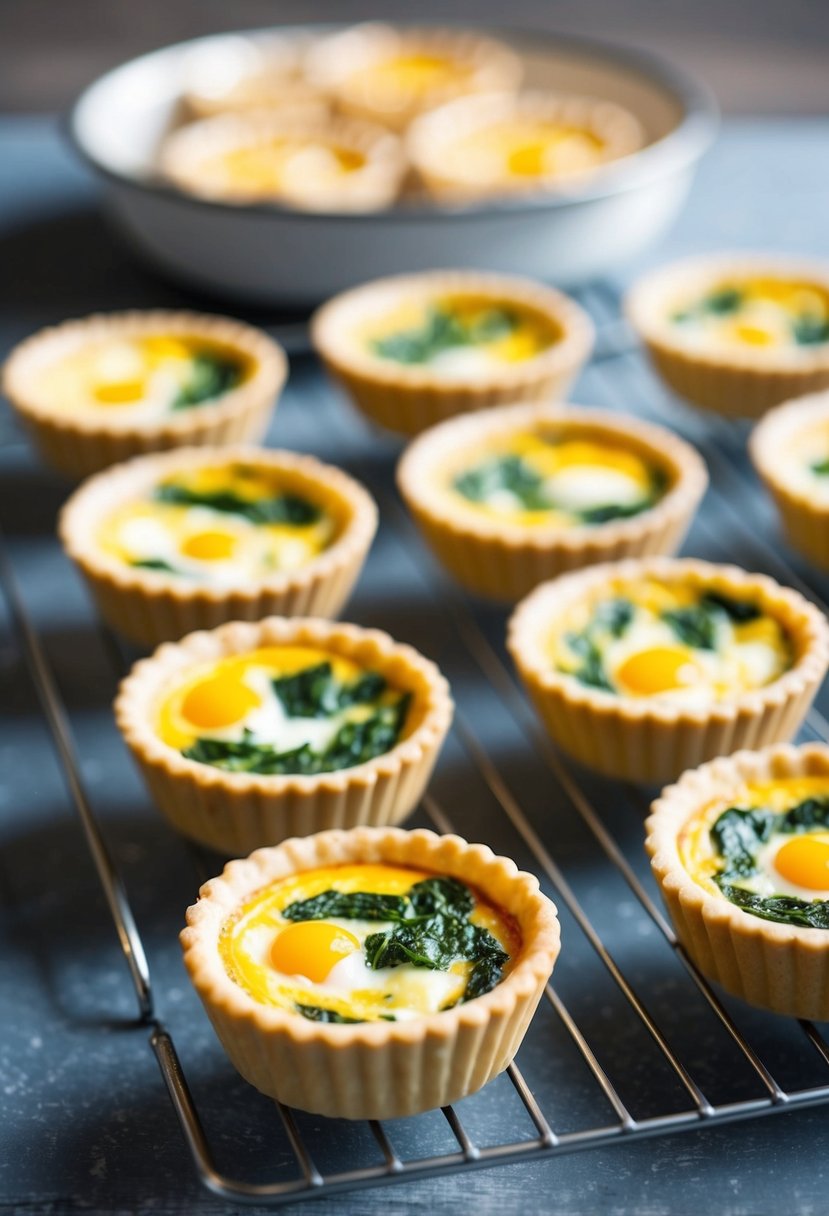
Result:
{"points": [[531, 478], [768, 852], [367, 942], [142, 377], [281, 711], [681, 643], [757, 312], [459, 335], [219, 525]]}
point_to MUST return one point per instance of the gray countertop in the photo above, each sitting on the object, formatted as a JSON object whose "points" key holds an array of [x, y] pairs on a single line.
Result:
{"points": [[86, 1123]]}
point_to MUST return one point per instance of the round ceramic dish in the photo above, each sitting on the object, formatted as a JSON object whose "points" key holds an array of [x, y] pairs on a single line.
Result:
{"points": [[374, 1070], [271, 255], [782, 447], [77, 445], [505, 560], [237, 812], [408, 398], [783, 968], [644, 739], [744, 381], [148, 606]]}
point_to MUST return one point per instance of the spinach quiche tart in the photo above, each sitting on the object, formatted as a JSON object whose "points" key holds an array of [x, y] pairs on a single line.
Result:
{"points": [[529, 491], [736, 333], [790, 451], [740, 849], [413, 350], [192, 538], [99, 390], [371, 974], [258, 731], [641, 669]]}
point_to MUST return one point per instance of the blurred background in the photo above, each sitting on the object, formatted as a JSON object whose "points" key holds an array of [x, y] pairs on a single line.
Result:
{"points": [[760, 56]]}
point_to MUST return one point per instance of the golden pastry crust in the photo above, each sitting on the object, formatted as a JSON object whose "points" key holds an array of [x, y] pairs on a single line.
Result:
{"points": [[408, 398], [237, 812], [505, 560], [373, 185], [374, 1070], [78, 445], [148, 606], [334, 63], [806, 521], [778, 967], [432, 142], [739, 382], [644, 740]]}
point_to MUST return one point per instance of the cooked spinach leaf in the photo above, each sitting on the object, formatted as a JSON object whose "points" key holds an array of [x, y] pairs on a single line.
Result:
{"points": [[211, 375], [357, 905], [315, 693], [154, 563], [281, 509], [613, 510], [739, 611], [821, 467], [809, 330], [614, 616], [808, 815], [693, 626], [441, 330], [315, 1013], [725, 300], [502, 474], [611, 616], [737, 835], [784, 909]]}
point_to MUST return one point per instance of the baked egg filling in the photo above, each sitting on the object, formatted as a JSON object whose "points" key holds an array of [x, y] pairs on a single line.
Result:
{"points": [[283, 710], [758, 313], [366, 943], [219, 525], [682, 644], [282, 165], [526, 152], [395, 80]]}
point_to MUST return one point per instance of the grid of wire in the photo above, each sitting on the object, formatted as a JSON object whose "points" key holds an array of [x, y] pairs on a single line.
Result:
{"points": [[618, 378]]}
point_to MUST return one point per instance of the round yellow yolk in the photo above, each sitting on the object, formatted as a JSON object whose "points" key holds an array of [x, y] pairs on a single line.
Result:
{"points": [[119, 392], [209, 546], [311, 948], [218, 702], [804, 860], [529, 160], [659, 669]]}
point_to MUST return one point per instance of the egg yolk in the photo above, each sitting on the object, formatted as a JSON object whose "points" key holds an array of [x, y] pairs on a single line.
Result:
{"points": [[119, 392], [218, 702], [311, 948], [804, 860], [659, 669], [209, 546]]}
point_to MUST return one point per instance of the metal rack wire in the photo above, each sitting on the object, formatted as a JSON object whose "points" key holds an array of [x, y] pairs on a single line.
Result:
{"points": [[617, 378]]}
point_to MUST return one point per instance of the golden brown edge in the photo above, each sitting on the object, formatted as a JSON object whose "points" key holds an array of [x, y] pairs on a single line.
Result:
{"points": [[781, 424]]}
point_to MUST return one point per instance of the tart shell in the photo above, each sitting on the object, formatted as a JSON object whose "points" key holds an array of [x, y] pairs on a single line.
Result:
{"points": [[374, 1070], [739, 383], [410, 398], [149, 607], [642, 739], [77, 446], [782, 968], [237, 812], [505, 560]]}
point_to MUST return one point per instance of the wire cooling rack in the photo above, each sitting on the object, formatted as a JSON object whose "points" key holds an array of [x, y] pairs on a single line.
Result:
{"points": [[630, 1041]]}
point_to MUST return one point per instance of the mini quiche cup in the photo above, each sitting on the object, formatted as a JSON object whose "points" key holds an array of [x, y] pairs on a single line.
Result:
{"points": [[785, 446], [408, 398], [244, 74], [504, 559], [150, 606], [779, 967], [339, 165], [237, 812], [644, 739], [744, 380], [77, 445], [390, 75], [374, 1070]]}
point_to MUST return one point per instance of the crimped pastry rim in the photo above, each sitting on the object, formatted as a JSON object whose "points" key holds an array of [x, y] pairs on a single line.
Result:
{"points": [[120, 482], [481, 868], [810, 633], [678, 802], [674, 455], [782, 423], [269, 375], [330, 338], [644, 307], [139, 691]]}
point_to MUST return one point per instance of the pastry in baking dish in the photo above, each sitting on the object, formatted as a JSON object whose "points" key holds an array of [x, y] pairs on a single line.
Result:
{"points": [[192, 538], [530, 491], [736, 333], [740, 848], [373, 973], [109, 387], [644, 668], [240, 74], [412, 350], [256, 731]]}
